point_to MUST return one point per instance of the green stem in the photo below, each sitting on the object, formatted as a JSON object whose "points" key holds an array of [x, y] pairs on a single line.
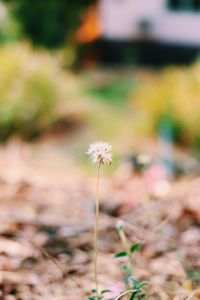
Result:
{"points": [[126, 246], [96, 232]]}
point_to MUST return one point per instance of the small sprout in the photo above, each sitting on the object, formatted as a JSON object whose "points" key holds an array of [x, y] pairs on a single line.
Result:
{"points": [[134, 287]]}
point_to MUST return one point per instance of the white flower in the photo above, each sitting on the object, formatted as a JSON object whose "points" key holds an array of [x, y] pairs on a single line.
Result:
{"points": [[100, 153]]}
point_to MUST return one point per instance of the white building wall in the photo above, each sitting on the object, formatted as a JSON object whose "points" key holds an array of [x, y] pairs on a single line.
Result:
{"points": [[121, 20], [117, 19], [182, 28]]}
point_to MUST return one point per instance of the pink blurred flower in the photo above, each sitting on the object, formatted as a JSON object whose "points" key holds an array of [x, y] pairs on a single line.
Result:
{"points": [[114, 291], [156, 181], [155, 173]]}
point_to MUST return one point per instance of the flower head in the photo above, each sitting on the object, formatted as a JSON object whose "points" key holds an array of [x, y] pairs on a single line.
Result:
{"points": [[120, 225], [100, 153]]}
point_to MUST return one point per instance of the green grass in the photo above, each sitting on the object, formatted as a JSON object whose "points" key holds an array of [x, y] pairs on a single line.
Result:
{"points": [[114, 92]]}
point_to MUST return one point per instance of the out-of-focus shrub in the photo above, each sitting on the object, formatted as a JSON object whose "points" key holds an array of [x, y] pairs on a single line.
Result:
{"points": [[173, 96], [9, 27], [114, 92], [34, 91], [48, 23]]}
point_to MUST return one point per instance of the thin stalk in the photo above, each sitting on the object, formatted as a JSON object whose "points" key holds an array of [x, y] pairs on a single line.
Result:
{"points": [[96, 231], [125, 293], [193, 294], [126, 245]]}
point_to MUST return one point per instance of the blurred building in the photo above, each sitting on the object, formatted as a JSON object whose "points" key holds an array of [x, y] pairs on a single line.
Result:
{"points": [[149, 31], [154, 31]]}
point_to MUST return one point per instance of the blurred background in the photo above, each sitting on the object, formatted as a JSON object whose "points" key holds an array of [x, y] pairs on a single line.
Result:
{"points": [[71, 73], [117, 70]]}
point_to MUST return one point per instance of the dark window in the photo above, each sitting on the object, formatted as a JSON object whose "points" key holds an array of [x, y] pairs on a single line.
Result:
{"points": [[184, 5], [174, 4], [196, 4]]}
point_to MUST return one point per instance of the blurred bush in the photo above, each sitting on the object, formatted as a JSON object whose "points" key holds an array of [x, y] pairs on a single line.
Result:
{"points": [[171, 96], [9, 27], [35, 93], [114, 92], [48, 23]]}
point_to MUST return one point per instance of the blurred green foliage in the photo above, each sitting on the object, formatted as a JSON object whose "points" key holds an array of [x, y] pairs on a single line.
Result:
{"points": [[114, 92], [194, 276], [48, 23], [174, 95], [32, 88], [9, 27]]}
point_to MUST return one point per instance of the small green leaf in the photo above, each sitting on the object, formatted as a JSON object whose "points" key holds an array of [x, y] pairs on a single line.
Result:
{"points": [[94, 290], [136, 247], [143, 283], [121, 254], [105, 291], [132, 297]]}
